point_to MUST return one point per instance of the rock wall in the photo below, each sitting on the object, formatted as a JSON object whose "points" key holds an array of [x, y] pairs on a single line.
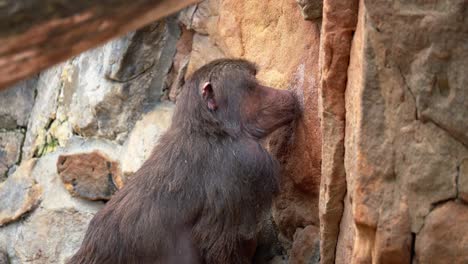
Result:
{"points": [[374, 171], [404, 138]]}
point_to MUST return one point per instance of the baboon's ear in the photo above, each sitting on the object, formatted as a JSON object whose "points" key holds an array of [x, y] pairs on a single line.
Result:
{"points": [[208, 95]]}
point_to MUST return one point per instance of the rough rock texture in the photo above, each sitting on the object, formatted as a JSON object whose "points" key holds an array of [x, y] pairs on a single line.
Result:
{"points": [[447, 223], [144, 137], [463, 180], [102, 92], [113, 85], [19, 194], [53, 231], [39, 140], [339, 21], [16, 104], [180, 64], [90, 176], [402, 159], [306, 246], [10, 151], [311, 9]]}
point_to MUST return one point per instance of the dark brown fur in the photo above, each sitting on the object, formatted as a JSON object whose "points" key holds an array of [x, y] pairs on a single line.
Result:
{"points": [[201, 194]]}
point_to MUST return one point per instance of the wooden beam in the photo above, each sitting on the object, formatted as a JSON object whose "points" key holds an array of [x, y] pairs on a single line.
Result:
{"points": [[36, 34]]}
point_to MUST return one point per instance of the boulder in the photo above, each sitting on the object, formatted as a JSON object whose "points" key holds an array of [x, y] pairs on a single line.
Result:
{"points": [[90, 176], [19, 194]]}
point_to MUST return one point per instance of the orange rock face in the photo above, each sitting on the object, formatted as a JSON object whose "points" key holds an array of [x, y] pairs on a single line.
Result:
{"points": [[404, 154], [339, 21]]}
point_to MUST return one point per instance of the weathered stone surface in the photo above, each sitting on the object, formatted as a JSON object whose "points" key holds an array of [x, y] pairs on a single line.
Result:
{"points": [[90, 176], [204, 50], [204, 18], [144, 137], [306, 246], [55, 196], [4, 258], [112, 85], [10, 151], [311, 9], [427, 183], [53, 231], [19, 193], [463, 180], [179, 67], [345, 241], [38, 139], [444, 237], [401, 162], [293, 208], [339, 22], [393, 239], [16, 104], [50, 236]]}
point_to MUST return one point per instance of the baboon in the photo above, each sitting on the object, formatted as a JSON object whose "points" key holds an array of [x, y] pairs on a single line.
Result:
{"points": [[201, 194]]}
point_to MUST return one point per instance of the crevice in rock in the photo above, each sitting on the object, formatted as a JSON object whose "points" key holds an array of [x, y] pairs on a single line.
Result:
{"points": [[41, 150], [23, 131], [131, 78], [413, 246], [427, 120], [193, 16], [434, 205], [418, 113]]}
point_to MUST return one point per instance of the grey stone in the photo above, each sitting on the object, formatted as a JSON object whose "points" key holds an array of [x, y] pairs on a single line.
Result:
{"points": [[44, 111], [50, 236], [10, 151], [16, 103], [114, 84], [19, 194], [144, 137], [54, 230]]}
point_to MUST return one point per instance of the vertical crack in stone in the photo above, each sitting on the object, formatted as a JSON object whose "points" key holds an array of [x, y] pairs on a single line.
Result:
{"points": [[413, 246], [20, 156]]}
